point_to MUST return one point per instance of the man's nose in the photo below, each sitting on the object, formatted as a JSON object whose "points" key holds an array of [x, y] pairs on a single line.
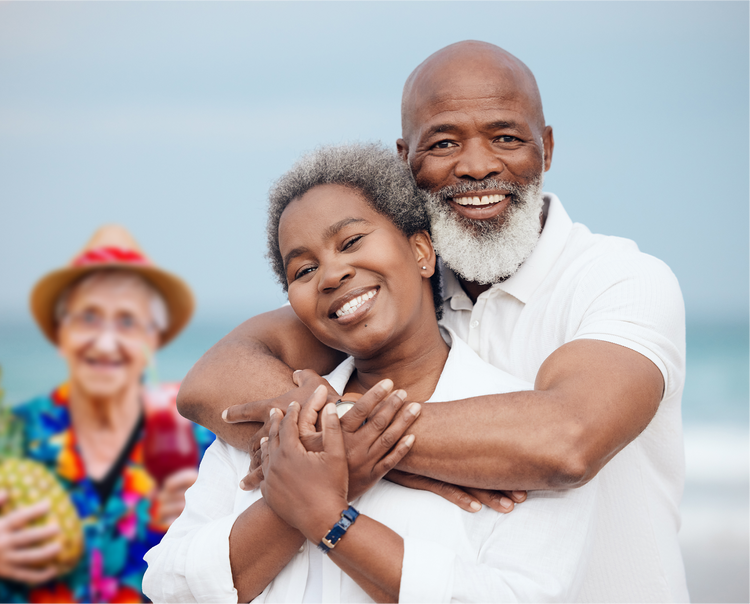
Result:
{"points": [[477, 161], [333, 274]]}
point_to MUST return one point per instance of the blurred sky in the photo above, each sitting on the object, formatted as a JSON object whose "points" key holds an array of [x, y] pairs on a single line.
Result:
{"points": [[174, 118]]}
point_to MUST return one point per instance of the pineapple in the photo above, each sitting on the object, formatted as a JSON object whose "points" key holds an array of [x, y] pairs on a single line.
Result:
{"points": [[27, 482]]}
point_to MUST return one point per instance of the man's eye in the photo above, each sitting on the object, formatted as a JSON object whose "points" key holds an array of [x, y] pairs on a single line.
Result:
{"points": [[506, 139], [350, 242], [443, 145]]}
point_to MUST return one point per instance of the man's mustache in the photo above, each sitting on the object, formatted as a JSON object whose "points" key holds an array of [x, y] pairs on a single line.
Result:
{"points": [[478, 186]]}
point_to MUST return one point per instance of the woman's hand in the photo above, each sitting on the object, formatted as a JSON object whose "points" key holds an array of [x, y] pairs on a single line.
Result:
{"points": [[170, 498], [27, 553], [372, 448], [307, 489]]}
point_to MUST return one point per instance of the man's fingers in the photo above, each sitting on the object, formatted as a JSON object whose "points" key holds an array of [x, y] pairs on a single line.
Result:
{"points": [[517, 496], [361, 410], [255, 411], [450, 492], [309, 412], [497, 500], [289, 431], [273, 428], [253, 479]]}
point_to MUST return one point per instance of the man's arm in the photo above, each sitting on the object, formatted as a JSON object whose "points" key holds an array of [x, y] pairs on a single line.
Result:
{"points": [[254, 362], [590, 399]]}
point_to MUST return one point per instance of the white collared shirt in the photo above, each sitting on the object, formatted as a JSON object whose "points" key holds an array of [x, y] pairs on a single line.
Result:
{"points": [[540, 552], [577, 285]]}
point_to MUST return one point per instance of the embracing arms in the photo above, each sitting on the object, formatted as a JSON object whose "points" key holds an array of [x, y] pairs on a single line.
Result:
{"points": [[591, 398]]}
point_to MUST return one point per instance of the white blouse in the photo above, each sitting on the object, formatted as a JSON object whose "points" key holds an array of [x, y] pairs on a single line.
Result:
{"points": [[539, 552]]}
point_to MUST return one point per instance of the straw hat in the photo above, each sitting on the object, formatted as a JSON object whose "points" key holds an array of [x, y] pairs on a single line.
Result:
{"points": [[112, 246]]}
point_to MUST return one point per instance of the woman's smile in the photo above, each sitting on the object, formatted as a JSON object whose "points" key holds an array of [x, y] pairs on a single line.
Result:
{"points": [[353, 305]]}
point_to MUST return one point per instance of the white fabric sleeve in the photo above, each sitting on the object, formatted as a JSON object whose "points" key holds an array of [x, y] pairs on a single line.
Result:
{"points": [[634, 300], [536, 553], [191, 564]]}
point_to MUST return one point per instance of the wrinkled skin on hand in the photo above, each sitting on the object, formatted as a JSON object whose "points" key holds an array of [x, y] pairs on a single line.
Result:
{"points": [[374, 402], [26, 553], [170, 498]]}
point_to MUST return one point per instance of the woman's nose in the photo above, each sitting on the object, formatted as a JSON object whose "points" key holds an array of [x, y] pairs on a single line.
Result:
{"points": [[333, 274], [105, 340]]}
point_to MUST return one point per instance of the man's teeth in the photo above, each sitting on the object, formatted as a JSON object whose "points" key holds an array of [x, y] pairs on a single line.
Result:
{"points": [[353, 305], [478, 201]]}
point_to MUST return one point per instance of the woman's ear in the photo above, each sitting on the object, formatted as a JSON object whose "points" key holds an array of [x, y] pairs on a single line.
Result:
{"points": [[424, 253]]}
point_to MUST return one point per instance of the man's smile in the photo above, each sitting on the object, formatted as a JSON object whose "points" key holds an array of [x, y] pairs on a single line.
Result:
{"points": [[476, 205]]}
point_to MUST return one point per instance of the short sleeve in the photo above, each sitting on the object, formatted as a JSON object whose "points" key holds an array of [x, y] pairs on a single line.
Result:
{"points": [[634, 300]]}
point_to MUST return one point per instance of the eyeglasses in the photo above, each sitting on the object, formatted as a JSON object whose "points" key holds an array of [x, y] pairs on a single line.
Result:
{"points": [[90, 323]]}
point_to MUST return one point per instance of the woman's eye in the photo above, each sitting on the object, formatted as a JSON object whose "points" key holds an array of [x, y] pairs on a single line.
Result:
{"points": [[304, 271], [89, 317], [126, 322], [350, 242]]}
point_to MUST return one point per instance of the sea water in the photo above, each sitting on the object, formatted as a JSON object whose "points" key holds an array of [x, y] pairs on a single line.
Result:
{"points": [[715, 527]]}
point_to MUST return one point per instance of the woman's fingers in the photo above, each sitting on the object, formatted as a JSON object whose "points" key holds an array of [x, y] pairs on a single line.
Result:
{"points": [[30, 536], [308, 416], [362, 409], [34, 556], [384, 429], [31, 576], [273, 428], [23, 516], [389, 462], [333, 438]]}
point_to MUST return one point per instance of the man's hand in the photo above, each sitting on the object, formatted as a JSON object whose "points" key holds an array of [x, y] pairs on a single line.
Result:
{"points": [[170, 499], [466, 498], [27, 553]]}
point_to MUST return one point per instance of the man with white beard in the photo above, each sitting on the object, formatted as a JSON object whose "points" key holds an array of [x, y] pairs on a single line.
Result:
{"points": [[596, 325]]}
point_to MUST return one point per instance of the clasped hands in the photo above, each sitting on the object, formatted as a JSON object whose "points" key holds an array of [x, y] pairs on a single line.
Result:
{"points": [[388, 418]]}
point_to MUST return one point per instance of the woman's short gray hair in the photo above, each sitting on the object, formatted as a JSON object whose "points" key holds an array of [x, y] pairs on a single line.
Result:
{"points": [[377, 173], [122, 277]]}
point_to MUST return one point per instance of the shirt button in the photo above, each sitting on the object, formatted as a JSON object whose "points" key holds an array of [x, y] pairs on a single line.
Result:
{"points": [[301, 548], [474, 324]]}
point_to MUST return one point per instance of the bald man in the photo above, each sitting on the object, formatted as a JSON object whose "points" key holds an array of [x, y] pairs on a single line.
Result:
{"points": [[596, 325]]}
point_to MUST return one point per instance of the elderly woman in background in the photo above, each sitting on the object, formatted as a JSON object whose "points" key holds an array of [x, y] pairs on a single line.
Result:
{"points": [[107, 313]]}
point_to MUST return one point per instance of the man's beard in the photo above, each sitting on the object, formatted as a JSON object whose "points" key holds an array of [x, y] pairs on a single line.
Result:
{"points": [[487, 251]]}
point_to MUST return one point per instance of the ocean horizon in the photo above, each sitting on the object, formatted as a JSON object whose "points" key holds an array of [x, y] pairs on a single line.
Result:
{"points": [[716, 413]]}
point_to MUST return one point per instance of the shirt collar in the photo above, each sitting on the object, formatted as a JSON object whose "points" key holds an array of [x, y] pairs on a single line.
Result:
{"points": [[534, 269]]}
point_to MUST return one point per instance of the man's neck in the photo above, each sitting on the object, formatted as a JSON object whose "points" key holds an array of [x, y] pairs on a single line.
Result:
{"points": [[472, 288]]}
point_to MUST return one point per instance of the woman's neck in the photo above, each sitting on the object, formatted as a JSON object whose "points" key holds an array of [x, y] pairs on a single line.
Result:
{"points": [[414, 365], [103, 425]]}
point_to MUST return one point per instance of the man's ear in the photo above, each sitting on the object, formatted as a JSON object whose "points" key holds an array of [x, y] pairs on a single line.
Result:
{"points": [[548, 140], [403, 150], [424, 253]]}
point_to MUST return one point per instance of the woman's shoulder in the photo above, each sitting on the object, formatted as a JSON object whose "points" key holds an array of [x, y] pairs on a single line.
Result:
{"points": [[45, 414]]}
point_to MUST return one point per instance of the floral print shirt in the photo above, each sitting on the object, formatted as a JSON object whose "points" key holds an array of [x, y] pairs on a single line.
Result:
{"points": [[116, 534]]}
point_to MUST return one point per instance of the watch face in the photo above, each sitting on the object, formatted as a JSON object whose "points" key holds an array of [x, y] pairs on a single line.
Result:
{"points": [[342, 407]]}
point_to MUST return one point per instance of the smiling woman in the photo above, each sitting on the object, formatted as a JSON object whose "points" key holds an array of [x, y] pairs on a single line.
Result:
{"points": [[107, 313], [349, 241]]}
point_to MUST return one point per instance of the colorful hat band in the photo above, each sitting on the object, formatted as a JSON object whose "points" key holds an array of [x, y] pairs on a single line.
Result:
{"points": [[109, 254]]}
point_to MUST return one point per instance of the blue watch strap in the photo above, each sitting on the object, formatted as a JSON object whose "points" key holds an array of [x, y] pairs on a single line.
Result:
{"points": [[348, 516]]}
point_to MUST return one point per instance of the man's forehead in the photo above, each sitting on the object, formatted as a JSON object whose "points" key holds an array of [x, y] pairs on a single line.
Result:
{"points": [[470, 72]]}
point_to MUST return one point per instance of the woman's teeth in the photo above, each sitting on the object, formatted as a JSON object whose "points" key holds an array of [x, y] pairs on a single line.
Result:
{"points": [[479, 201], [353, 305]]}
